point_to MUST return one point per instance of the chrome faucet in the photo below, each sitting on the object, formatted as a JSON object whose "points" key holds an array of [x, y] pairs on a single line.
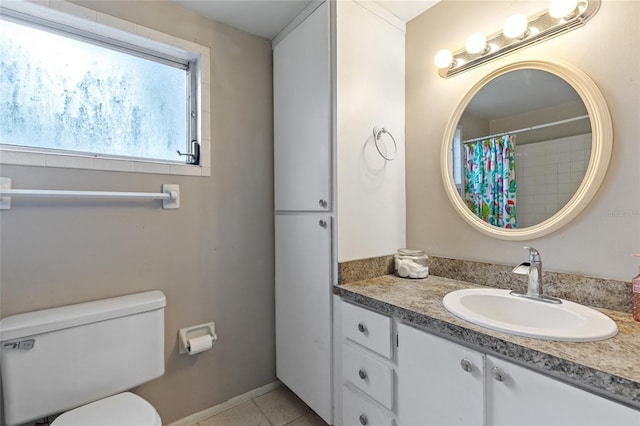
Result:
{"points": [[533, 269]]}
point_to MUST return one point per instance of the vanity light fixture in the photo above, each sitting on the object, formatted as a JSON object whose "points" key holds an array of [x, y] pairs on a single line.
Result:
{"points": [[518, 31]]}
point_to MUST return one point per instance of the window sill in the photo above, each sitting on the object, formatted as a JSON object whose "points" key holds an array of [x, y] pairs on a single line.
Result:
{"points": [[88, 162]]}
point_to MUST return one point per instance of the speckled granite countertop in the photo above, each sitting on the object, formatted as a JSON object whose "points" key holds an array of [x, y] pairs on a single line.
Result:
{"points": [[610, 367]]}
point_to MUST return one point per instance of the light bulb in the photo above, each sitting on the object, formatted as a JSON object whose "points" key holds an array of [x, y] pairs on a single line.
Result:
{"points": [[562, 8], [515, 26], [443, 58], [476, 43]]}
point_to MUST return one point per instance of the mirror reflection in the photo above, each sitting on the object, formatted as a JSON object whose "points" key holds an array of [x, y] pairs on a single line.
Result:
{"points": [[521, 148]]}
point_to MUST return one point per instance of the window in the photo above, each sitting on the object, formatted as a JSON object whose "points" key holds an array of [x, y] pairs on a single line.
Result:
{"points": [[68, 91]]}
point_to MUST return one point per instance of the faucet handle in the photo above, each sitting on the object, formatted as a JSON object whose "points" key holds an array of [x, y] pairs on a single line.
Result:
{"points": [[534, 255]]}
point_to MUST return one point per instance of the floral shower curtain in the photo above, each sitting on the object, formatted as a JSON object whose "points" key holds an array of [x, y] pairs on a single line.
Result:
{"points": [[490, 180]]}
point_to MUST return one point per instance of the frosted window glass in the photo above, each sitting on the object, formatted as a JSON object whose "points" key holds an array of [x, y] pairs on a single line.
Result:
{"points": [[61, 93]]}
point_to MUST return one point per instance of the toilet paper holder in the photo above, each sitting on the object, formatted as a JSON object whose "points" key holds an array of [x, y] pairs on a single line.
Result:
{"points": [[195, 331]]}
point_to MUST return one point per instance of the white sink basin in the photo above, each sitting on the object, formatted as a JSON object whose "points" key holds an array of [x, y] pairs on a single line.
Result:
{"points": [[498, 310]]}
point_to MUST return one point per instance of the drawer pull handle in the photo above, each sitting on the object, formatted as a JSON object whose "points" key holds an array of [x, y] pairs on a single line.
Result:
{"points": [[363, 419], [362, 373], [323, 203], [498, 374], [466, 365], [362, 328]]}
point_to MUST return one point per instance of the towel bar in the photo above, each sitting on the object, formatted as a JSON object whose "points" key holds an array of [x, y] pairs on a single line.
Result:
{"points": [[170, 194]]}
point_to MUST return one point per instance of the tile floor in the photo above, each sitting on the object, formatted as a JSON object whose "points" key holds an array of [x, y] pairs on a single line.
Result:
{"points": [[279, 407]]}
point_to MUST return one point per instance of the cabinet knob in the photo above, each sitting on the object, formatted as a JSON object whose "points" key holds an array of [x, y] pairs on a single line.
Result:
{"points": [[363, 419], [362, 373], [322, 223], [323, 203], [362, 328], [466, 365], [498, 374]]}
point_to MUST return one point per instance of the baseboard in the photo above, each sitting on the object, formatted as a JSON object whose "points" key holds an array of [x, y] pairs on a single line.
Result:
{"points": [[235, 401]]}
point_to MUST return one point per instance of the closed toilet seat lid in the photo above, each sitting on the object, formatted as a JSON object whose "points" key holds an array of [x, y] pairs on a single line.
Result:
{"points": [[123, 409]]}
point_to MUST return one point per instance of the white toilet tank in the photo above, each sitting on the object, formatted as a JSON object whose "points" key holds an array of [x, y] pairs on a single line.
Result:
{"points": [[57, 359]]}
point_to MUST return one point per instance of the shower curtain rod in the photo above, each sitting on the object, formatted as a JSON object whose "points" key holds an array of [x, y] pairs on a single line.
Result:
{"points": [[526, 129]]}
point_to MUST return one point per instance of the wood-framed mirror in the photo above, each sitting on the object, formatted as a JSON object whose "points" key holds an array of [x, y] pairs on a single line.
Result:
{"points": [[526, 149]]}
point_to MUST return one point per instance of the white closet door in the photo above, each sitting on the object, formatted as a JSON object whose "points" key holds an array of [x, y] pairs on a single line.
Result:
{"points": [[302, 126], [303, 308]]}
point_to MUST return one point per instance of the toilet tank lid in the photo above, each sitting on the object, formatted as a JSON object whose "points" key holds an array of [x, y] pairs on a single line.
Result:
{"points": [[32, 323]]}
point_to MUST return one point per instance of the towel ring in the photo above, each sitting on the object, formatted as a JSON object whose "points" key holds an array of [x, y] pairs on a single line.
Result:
{"points": [[377, 133]]}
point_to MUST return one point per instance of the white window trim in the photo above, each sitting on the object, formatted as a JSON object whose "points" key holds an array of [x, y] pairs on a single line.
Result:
{"points": [[62, 12]]}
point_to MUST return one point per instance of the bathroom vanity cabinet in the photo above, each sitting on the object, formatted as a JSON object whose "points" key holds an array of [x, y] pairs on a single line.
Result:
{"points": [[441, 382], [396, 374]]}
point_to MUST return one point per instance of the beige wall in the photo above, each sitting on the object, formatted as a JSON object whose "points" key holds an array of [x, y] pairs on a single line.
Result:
{"points": [[213, 258], [600, 240]]}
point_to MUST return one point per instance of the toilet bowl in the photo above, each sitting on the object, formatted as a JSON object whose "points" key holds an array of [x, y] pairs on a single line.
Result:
{"points": [[81, 359], [123, 409]]}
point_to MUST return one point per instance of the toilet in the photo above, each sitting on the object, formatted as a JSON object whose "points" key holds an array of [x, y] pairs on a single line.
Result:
{"points": [[81, 359]]}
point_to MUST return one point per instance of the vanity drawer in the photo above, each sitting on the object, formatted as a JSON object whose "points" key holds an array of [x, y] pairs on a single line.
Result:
{"points": [[357, 411], [368, 374], [367, 328]]}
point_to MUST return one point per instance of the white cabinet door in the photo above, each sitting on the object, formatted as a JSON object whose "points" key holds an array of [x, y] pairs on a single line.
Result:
{"points": [[302, 125], [519, 396], [303, 308], [439, 382]]}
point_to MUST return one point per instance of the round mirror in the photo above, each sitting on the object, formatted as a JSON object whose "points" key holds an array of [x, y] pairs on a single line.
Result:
{"points": [[526, 149]]}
